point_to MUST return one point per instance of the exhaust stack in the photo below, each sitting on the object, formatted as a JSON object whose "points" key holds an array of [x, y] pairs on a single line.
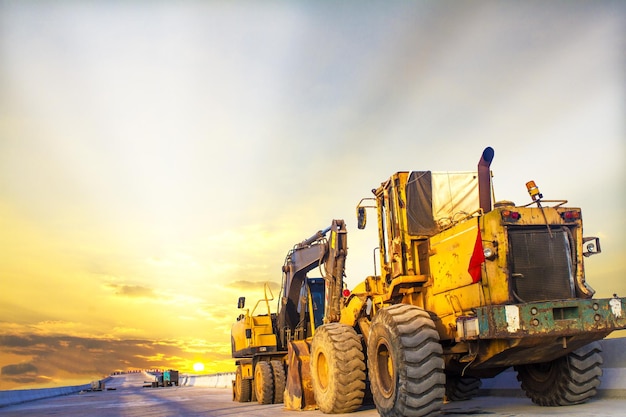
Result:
{"points": [[484, 179]]}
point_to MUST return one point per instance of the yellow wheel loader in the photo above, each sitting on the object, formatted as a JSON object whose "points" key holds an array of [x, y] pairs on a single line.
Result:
{"points": [[465, 291], [265, 343]]}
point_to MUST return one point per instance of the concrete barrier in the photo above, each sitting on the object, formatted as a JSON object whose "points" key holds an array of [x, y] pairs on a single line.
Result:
{"points": [[221, 380], [24, 395]]}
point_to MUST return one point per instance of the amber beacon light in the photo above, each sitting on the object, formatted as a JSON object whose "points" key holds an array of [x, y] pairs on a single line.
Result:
{"points": [[533, 190]]}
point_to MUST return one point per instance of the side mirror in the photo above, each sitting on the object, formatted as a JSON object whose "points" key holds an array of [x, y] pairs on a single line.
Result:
{"points": [[361, 217], [242, 302]]}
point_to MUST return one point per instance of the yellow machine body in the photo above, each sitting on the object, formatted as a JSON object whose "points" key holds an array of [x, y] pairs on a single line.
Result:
{"points": [[465, 290], [460, 261], [252, 333]]}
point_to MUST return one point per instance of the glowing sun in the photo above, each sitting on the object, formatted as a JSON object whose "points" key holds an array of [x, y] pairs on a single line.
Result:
{"points": [[198, 367]]}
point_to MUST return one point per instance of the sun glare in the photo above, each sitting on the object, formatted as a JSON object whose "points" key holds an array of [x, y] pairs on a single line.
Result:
{"points": [[198, 367]]}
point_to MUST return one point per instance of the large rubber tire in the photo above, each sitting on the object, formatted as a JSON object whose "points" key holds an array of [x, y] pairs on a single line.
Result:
{"points": [[405, 362], [461, 388], [337, 369], [242, 390], [264, 383], [571, 379], [278, 372]]}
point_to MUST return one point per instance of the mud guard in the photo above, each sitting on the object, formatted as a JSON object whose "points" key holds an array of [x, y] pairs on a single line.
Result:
{"points": [[299, 388]]}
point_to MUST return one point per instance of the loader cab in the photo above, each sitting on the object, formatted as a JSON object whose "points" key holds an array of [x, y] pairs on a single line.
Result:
{"points": [[414, 206]]}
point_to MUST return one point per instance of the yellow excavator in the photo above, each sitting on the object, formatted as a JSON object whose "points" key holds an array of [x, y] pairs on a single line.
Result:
{"points": [[466, 289], [261, 342]]}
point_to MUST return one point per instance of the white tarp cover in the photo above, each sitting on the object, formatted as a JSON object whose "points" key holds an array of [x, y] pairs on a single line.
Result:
{"points": [[436, 199], [454, 193]]}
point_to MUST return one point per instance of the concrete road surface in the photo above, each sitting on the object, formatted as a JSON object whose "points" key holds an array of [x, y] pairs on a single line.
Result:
{"points": [[125, 397]]}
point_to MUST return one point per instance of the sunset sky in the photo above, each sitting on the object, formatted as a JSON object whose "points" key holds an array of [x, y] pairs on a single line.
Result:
{"points": [[159, 159]]}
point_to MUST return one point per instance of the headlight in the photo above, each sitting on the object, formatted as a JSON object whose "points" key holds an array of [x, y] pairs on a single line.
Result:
{"points": [[489, 254]]}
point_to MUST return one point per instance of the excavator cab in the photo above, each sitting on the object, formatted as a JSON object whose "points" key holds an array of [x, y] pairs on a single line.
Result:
{"points": [[316, 300]]}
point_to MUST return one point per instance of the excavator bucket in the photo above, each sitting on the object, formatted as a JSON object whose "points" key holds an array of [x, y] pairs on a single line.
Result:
{"points": [[299, 388]]}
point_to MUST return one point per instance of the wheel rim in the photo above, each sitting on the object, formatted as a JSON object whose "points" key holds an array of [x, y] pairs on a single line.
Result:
{"points": [[322, 370], [384, 362], [238, 385], [258, 382]]}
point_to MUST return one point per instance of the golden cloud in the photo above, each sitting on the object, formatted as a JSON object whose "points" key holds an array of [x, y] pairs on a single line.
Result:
{"points": [[132, 290]]}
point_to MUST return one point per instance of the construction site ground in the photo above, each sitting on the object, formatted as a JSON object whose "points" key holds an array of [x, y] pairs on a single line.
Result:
{"points": [[125, 396]]}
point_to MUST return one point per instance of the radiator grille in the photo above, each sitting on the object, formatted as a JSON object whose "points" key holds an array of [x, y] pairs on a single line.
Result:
{"points": [[541, 266]]}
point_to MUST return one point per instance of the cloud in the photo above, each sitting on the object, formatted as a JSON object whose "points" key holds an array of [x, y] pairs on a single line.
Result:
{"points": [[18, 369], [14, 341], [253, 285], [132, 290], [23, 381]]}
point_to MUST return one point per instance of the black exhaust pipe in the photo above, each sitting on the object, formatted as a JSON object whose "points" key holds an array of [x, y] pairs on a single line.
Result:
{"points": [[484, 179]]}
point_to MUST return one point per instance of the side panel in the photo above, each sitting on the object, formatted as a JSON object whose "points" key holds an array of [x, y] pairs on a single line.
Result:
{"points": [[496, 270], [252, 334], [454, 291], [450, 255], [452, 304]]}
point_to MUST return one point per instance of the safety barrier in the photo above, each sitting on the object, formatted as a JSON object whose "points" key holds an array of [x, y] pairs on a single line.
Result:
{"points": [[221, 380], [24, 395]]}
